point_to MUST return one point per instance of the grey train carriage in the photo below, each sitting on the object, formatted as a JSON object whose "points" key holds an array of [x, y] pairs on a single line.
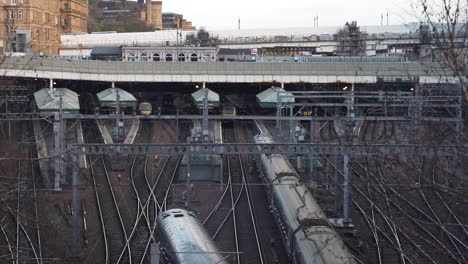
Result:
{"points": [[307, 233], [184, 240]]}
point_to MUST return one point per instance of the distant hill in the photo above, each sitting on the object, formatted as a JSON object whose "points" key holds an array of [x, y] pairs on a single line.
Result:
{"points": [[120, 16]]}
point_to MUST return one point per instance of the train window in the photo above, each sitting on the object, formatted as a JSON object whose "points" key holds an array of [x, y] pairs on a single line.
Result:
{"points": [[164, 215], [179, 215]]}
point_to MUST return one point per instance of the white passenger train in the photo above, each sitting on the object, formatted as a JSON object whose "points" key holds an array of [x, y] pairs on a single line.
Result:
{"points": [[184, 240], [307, 234]]}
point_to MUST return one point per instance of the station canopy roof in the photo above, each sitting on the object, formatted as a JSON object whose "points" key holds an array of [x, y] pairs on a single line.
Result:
{"points": [[198, 96], [126, 39], [108, 98], [48, 100], [269, 97], [165, 37]]}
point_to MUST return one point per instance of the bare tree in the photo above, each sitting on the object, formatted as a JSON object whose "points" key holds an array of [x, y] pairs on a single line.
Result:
{"points": [[447, 20]]}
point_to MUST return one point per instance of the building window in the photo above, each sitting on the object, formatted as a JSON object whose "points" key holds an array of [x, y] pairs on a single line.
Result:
{"points": [[20, 42], [194, 57], [181, 57], [169, 57], [20, 15], [144, 56], [156, 57], [131, 56], [13, 2], [206, 56]]}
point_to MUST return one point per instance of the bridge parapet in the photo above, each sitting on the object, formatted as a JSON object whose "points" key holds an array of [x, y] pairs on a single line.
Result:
{"points": [[234, 72]]}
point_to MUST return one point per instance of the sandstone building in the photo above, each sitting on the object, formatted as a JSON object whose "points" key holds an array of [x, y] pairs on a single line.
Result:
{"points": [[176, 21], [152, 14], [35, 26]]}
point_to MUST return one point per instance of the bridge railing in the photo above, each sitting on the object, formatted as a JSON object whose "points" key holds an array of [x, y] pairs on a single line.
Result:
{"points": [[383, 69]]}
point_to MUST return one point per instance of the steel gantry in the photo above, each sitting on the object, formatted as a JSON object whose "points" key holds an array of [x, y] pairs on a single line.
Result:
{"points": [[381, 150], [349, 107]]}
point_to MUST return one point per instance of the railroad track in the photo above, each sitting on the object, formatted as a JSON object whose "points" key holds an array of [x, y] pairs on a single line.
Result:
{"points": [[432, 215], [151, 195], [113, 227], [36, 212], [25, 245], [395, 221], [235, 198], [384, 231], [431, 225]]}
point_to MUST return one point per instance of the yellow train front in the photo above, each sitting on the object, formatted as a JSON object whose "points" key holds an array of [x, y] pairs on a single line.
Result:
{"points": [[145, 108], [229, 110]]}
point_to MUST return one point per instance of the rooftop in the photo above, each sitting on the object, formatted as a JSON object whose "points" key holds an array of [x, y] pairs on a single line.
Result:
{"points": [[48, 100]]}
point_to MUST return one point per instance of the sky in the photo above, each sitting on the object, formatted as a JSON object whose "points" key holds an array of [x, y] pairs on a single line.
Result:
{"points": [[223, 15]]}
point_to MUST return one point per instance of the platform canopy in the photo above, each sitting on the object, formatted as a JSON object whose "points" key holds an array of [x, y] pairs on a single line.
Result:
{"points": [[269, 97], [108, 98], [48, 100], [198, 96]]}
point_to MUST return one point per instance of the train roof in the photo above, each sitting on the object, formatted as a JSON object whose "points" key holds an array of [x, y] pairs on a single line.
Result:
{"points": [[188, 238]]}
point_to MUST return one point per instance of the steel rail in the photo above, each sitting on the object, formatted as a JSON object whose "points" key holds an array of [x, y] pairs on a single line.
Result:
{"points": [[10, 249], [141, 213], [23, 230], [249, 200], [36, 214], [99, 207], [101, 217], [388, 221], [416, 222], [100, 159], [435, 221], [116, 205], [153, 230]]}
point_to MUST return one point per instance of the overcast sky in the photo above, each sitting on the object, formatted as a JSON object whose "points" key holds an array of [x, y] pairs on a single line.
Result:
{"points": [[222, 14]]}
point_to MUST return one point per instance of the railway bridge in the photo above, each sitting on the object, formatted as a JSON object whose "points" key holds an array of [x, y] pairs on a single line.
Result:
{"points": [[223, 72]]}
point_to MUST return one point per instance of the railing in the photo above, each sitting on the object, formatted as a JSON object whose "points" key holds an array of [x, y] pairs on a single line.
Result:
{"points": [[384, 70]]}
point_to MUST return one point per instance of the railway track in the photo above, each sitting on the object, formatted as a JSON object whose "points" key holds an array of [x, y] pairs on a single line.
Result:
{"points": [[400, 226], [24, 246], [36, 212], [432, 215], [230, 210], [151, 194], [112, 225]]}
